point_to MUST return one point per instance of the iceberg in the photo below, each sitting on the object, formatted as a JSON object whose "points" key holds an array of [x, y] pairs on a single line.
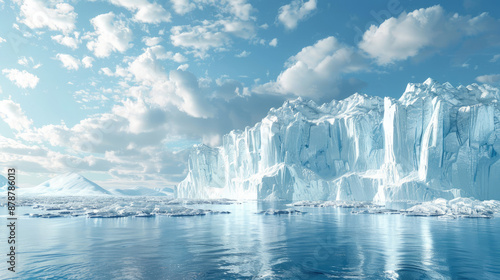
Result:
{"points": [[436, 141]]}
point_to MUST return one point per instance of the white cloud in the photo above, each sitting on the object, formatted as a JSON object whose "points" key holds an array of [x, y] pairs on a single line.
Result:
{"points": [[240, 9], [27, 61], [183, 67], [144, 11], [211, 35], [316, 70], [182, 7], [200, 38], [24, 61], [68, 61], [152, 41], [243, 54], [14, 116], [111, 35], [274, 42], [106, 71], [22, 79], [431, 28], [161, 54], [2, 40], [87, 62], [489, 79], [495, 58], [289, 15], [68, 41], [54, 15]]}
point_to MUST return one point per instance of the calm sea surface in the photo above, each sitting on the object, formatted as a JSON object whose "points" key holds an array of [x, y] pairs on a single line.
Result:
{"points": [[321, 244]]}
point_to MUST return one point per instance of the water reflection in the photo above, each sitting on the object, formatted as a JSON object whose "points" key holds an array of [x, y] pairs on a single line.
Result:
{"points": [[325, 242]]}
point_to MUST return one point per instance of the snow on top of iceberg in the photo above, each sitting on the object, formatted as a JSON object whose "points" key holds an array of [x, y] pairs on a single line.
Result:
{"points": [[470, 95]]}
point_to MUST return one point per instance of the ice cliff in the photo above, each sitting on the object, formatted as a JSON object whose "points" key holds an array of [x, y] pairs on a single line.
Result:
{"points": [[436, 141]]}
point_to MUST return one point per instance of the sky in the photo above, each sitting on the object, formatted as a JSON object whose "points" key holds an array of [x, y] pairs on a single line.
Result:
{"points": [[119, 90]]}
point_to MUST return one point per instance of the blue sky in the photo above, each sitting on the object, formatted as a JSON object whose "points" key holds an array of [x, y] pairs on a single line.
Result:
{"points": [[119, 90]]}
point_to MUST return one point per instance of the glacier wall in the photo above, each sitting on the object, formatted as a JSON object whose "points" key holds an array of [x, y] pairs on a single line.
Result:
{"points": [[435, 141]]}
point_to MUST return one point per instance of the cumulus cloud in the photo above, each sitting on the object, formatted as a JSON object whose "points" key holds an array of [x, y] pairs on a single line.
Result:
{"points": [[182, 7], [274, 42], [22, 79], [67, 40], [87, 62], [14, 116], [316, 70], [24, 61], [489, 79], [431, 28], [243, 54], [110, 35], [201, 38], [152, 41], [54, 15], [211, 35], [495, 58], [290, 14], [68, 61], [183, 67], [2, 40], [240, 9], [176, 87], [144, 10]]}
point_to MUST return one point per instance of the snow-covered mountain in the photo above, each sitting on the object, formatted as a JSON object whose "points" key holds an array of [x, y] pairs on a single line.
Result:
{"points": [[3, 181], [69, 184], [3, 185], [137, 191], [435, 141]]}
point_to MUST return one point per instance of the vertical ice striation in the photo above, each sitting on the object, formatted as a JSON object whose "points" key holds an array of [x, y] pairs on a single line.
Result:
{"points": [[435, 141]]}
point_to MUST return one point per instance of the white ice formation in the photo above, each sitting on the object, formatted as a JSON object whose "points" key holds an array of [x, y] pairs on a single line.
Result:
{"points": [[69, 184], [436, 141]]}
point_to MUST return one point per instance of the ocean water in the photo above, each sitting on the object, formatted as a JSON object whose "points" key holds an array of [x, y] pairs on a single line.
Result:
{"points": [[324, 243]]}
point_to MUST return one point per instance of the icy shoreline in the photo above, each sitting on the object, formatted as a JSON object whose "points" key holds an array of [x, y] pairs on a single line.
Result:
{"points": [[118, 207]]}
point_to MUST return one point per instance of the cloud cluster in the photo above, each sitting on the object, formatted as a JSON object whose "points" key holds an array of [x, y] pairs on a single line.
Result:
{"points": [[67, 40], [111, 35], [145, 11], [233, 21], [290, 14], [316, 71], [489, 79], [54, 15], [411, 33], [14, 116], [68, 61], [22, 79]]}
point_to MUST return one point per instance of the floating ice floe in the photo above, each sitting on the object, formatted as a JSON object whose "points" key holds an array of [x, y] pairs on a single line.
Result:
{"points": [[339, 204], [115, 207], [442, 208]]}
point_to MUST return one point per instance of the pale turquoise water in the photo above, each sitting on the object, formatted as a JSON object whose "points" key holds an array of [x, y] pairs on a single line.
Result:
{"points": [[324, 243]]}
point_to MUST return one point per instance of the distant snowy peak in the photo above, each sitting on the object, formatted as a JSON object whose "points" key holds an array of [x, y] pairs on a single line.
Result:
{"points": [[69, 184], [137, 191], [3, 181]]}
